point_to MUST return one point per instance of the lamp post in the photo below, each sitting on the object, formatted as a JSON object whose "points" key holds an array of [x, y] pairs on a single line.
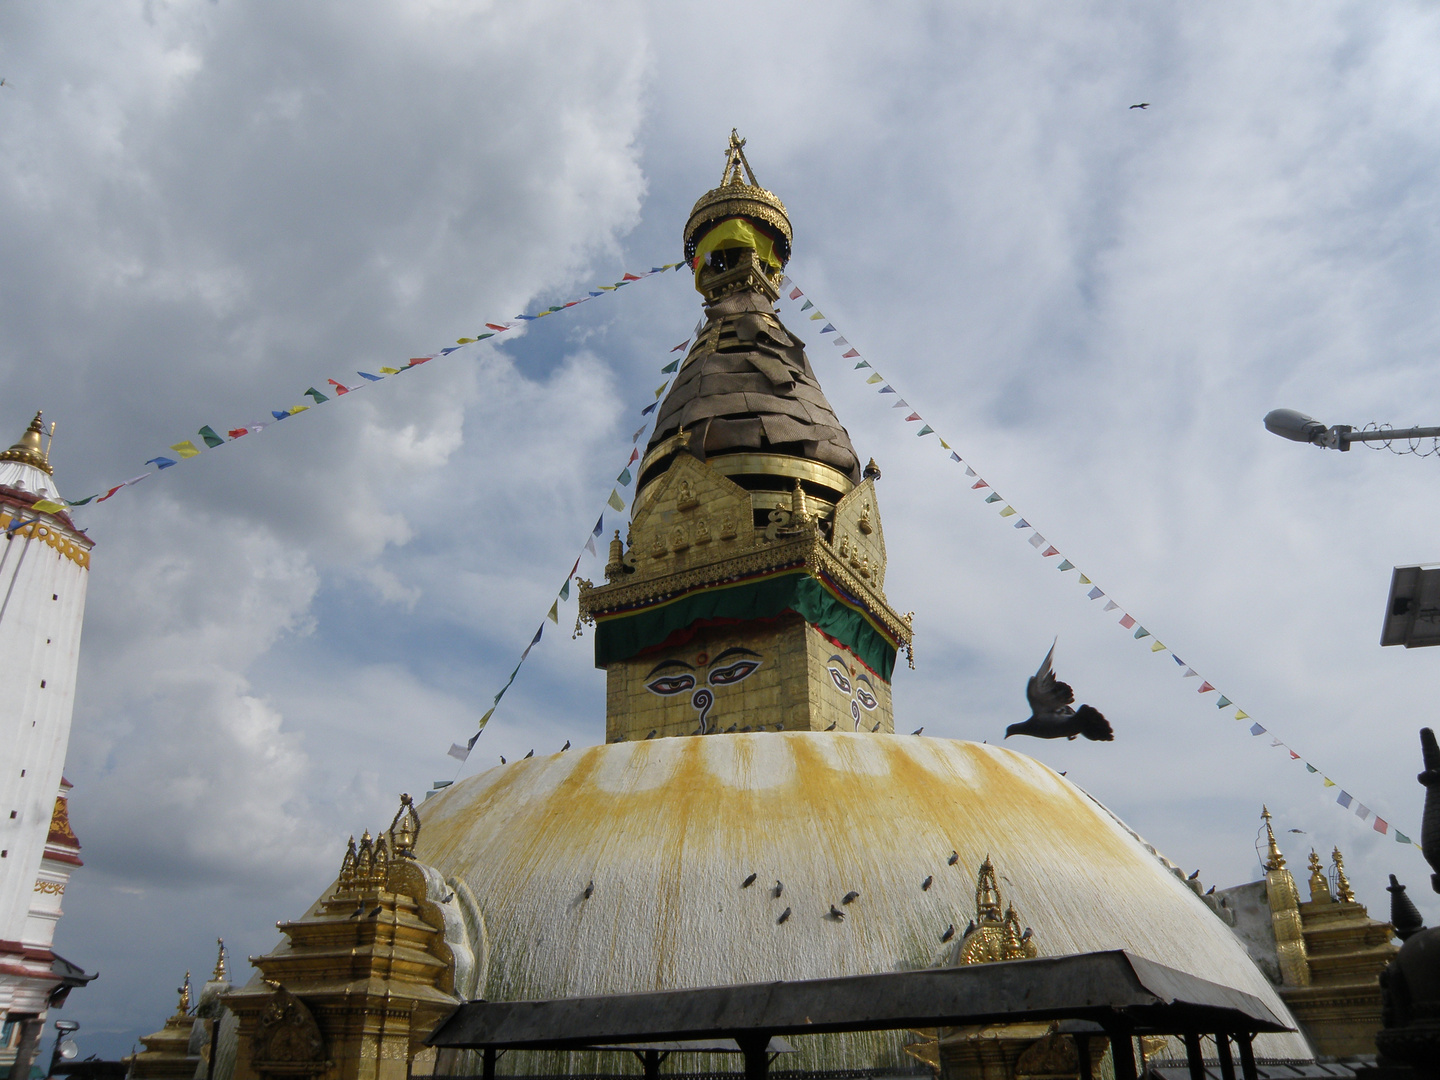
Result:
{"points": [[1412, 612], [1297, 427], [64, 1047]]}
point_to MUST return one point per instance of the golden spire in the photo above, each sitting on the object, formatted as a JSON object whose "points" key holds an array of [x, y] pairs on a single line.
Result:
{"points": [[1342, 883], [1319, 885], [738, 196], [987, 894], [29, 449], [1275, 861], [615, 567], [220, 974], [402, 842], [799, 512], [183, 1008]]}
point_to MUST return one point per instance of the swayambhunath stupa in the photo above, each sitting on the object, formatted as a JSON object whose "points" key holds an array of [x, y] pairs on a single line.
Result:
{"points": [[752, 818]]}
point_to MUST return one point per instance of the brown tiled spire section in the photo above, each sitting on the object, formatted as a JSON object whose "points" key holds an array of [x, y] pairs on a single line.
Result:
{"points": [[746, 387]]}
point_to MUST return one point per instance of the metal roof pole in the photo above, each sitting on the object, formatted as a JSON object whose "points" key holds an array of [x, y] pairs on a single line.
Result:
{"points": [[1122, 1052], [756, 1048], [1247, 1056], [1227, 1062], [1193, 1057]]}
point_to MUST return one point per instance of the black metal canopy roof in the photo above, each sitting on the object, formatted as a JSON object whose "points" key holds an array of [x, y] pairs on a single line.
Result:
{"points": [[1119, 991]]}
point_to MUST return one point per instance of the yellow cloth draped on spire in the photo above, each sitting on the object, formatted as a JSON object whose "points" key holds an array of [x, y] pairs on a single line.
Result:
{"points": [[735, 233]]}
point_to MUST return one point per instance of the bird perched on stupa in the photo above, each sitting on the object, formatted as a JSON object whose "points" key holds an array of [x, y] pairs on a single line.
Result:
{"points": [[1051, 715]]}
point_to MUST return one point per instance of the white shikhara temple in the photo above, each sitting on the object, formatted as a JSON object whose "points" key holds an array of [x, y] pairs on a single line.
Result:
{"points": [[44, 568]]}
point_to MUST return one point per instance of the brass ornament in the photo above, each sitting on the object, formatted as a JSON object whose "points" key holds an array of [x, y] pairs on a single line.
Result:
{"points": [[1342, 884], [287, 1040], [1319, 883], [29, 449], [739, 195], [992, 936], [402, 842]]}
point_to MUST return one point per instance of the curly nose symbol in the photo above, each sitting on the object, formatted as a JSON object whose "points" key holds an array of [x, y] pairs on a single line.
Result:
{"points": [[702, 699]]}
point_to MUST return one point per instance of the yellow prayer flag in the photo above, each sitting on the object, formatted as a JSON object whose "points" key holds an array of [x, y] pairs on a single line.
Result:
{"points": [[817, 315], [875, 378], [1085, 580], [945, 444], [463, 340], [661, 388], [1241, 714], [1329, 782], [1157, 647], [185, 449], [389, 371], [1007, 511], [554, 613], [607, 288], [48, 506], [297, 408]]}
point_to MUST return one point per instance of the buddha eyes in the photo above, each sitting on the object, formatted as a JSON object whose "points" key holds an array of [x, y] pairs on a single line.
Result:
{"points": [[733, 673], [840, 681], [866, 698], [667, 685]]}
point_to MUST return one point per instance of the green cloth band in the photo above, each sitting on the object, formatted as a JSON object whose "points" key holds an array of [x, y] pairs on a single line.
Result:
{"points": [[623, 636]]}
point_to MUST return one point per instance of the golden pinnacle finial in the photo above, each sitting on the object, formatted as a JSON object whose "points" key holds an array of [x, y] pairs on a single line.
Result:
{"points": [[799, 511], [1275, 861], [734, 160], [1342, 883], [220, 974], [987, 893], [1319, 885], [184, 991], [404, 838], [615, 566], [29, 449]]}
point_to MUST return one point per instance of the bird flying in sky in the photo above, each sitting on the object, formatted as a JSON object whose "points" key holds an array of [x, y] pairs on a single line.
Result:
{"points": [[1142, 105], [1051, 716]]}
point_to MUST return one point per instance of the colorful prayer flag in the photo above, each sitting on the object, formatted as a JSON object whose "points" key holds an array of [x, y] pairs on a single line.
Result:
{"points": [[565, 590], [158, 462], [993, 497], [1362, 811], [795, 293], [849, 355], [912, 416], [1009, 510], [47, 506], [1401, 838], [634, 457], [1085, 580], [1344, 798], [1256, 729], [926, 430], [877, 377], [1310, 768], [1110, 605], [341, 388], [186, 449], [886, 389], [1159, 646], [212, 440], [1095, 593], [1052, 550], [670, 367], [1066, 565], [615, 501], [1022, 524], [599, 526], [827, 329], [554, 613], [1222, 702], [648, 409], [1328, 781], [1141, 632], [389, 371], [1205, 688], [624, 478], [840, 343], [1036, 541], [1241, 714], [1127, 622], [317, 395], [806, 306], [978, 485]]}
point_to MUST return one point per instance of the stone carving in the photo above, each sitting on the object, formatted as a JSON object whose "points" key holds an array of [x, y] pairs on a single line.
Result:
{"points": [[287, 1041]]}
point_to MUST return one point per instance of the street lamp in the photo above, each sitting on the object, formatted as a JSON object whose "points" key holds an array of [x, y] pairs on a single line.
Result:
{"points": [[1297, 427], [65, 1048], [1412, 612]]}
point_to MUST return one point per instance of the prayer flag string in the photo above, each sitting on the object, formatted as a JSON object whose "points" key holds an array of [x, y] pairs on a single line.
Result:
{"points": [[616, 502], [1048, 550], [186, 448]]}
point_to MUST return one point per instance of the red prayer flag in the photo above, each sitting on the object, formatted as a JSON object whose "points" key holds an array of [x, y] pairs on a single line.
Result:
{"points": [[1294, 756], [633, 455], [235, 433], [978, 485], [1127, 622], [497, 328], [795, 293], [112, 491], [1050, 551], [339, 389], [572, 303], [849, 355], [682, 344], [629, 277], [1205, 688], [912, 416], [1381, 825]]}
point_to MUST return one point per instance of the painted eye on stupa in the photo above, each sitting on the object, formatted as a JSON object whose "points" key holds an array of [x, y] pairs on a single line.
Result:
{"points": [[733, 673], [841, 682], [667, 685], [865, 697]]}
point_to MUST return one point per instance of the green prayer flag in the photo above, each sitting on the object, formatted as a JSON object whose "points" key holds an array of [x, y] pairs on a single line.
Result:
{"points": [[565, 590], [615, 501], [1310, 768], [1066, 565], [1141, 632], [624, 478], [670, 367], [317, 395], [1223, 702], [926, 430], [994, 496], [807, 305], [862, 363], [1401, 838], [208, 434]]}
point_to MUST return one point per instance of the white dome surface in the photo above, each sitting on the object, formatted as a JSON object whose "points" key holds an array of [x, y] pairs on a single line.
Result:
{"points": [[668, 829]]}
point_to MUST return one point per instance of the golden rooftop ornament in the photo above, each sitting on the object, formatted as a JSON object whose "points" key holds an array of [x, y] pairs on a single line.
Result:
{"points": [[1274, 860], [738, 196], [1342, 883], [220, 974], [992, 936], [1319, 884], [29, 449]]}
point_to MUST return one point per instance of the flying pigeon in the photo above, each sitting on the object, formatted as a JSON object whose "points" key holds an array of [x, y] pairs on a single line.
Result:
{"points": [[748, 882], [566, 746], [953, 859], [832, 725], [779, 888], [783, 916], [1142, 105], [1051, 716], [918, 730], [589, 890], [850, 897], [948, 934], [836, 914], [530, 754], [925, 885]]}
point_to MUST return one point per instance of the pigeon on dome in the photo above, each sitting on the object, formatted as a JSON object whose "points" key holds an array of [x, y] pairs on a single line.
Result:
{"points": [[1051, 714]]}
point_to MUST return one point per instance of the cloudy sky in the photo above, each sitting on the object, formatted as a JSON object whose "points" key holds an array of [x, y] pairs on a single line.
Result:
{"points": [[208, 207]]}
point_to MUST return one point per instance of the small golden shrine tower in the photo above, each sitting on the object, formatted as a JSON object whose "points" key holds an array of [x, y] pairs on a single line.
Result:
{"points": [[1330, 953], [363, 978], [167, 1052], [749, 594]]}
